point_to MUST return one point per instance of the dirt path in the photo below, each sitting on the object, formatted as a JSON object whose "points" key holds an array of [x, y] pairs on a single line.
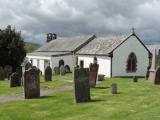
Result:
{"points": [[14, 97]]}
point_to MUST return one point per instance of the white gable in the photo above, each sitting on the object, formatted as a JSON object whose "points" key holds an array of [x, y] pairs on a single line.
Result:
{"points": [[120, 56]]}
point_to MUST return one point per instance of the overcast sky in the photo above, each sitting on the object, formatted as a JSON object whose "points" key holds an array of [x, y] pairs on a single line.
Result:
{"points": [[35, 18]]}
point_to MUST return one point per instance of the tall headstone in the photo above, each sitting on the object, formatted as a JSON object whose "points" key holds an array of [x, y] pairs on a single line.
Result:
{"points": [[152, 70], [81, 84], [8, 71], [31, 83], [93, 71], [15, 80], [2, 75], [56, 70], [48, 73], [62, 70], [93, 74]]}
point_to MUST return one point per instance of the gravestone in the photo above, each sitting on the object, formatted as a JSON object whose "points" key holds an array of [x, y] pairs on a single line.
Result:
{"points": [[67, 69], [135, 79], [93, 74], [82, 88], [2, 75], [19, 71], [56, 70], [62, 70], [48, 73], [31, 83], [101, 77], [152, 70], [8, 71], [28, 65], [15, 80], [114, 88], [157, 78]]}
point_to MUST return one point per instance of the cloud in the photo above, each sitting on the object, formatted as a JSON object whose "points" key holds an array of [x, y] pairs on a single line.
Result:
{"points": [[35, 18]]}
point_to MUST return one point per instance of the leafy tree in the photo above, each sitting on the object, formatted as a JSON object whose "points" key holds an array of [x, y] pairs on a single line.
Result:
{"points": [[12, 50]]}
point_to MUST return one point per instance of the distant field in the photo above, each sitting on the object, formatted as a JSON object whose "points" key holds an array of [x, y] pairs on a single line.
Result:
{"points": [[30, 47], [135, 101]]}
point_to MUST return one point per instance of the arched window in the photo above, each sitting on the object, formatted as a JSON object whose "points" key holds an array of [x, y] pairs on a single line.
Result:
{"points": [[132, 63], [61, 62]]}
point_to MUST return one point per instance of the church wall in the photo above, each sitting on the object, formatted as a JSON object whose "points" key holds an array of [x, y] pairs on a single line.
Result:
{"points": [[39, 61], [68, 60], [103, 61], [120, 56]]}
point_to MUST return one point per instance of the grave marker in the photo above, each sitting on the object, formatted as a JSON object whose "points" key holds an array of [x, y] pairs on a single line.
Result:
{"points": [[82, 88], [32, 83]]}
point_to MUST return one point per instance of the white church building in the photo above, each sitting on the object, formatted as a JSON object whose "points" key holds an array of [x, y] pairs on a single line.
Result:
{"points": [[117, 56]]}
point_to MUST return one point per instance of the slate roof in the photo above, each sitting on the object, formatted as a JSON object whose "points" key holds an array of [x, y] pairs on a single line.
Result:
{"points": [[103, 45], [48, 54], [65, 44]]}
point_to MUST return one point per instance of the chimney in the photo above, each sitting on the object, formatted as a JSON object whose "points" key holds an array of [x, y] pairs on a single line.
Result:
{"points": [[51, 36]]}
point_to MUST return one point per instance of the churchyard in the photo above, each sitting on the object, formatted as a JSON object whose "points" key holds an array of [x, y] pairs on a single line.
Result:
{"points": [[58, 81], [134, 101]]}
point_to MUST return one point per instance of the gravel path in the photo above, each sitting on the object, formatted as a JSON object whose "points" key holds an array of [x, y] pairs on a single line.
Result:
{"points": [[14, 97]]}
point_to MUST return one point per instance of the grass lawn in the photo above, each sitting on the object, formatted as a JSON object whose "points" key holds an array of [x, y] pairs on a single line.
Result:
{"points": [[58, 81], [135, 101]]}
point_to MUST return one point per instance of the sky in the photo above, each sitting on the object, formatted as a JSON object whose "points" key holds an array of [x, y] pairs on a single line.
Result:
{"points": [[67, 18]]}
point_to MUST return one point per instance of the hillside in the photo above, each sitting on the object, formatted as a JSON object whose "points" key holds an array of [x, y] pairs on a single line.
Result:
{"points": [[30, 47]]}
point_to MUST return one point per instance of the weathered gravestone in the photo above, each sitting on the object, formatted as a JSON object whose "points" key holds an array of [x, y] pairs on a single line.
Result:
{"points": [[48, 73], [67, 69], [101, 77], [56, 70], [135, 79], [15, 80], [31, 83], [62, 70], [82, 88], [93, 74], [114, 88], [152, 70], [8, 71], [2, 75], [157, 78]]}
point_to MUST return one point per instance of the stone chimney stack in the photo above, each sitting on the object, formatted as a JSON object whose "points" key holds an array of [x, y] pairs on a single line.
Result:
{"points": [[51, 36]]}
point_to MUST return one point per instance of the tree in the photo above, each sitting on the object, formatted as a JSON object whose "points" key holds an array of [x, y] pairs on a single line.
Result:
{"points": [[12, 51]]}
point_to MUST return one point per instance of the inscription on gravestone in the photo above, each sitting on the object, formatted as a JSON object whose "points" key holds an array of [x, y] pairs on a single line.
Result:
{"points": [[32, 83], [82, 88]]}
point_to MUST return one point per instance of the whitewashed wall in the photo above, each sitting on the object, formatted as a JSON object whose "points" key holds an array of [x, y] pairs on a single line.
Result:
{"points": [[120, 56], [68, 60], [103, 61], [38, 61]]}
